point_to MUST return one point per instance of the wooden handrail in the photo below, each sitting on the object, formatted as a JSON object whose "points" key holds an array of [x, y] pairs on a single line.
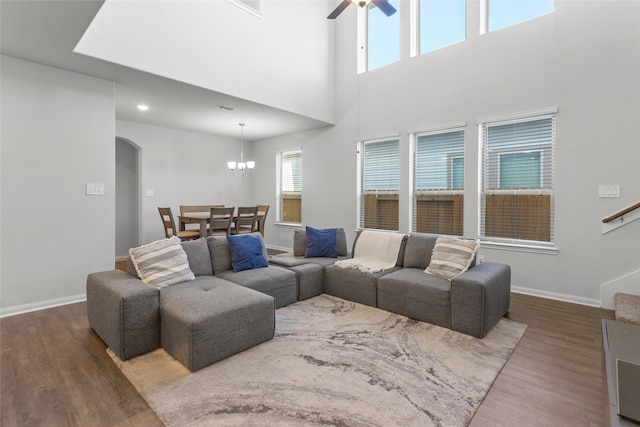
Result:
{"points": [[621, 213]]}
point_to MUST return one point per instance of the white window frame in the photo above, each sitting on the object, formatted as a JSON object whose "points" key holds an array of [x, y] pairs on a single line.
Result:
{"points": [[413, 147], [512, 243], [279, 182], [360, 177], [415, 29], [484, 17]]}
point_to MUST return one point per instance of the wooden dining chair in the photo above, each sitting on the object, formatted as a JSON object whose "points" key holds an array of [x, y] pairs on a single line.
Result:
{"points": [[245, 221], [220, 221], [187, 210], [170, 226], [262, 216]]}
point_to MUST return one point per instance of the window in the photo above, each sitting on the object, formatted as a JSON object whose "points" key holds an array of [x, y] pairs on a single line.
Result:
{"points": [[438, 182], [517, 194], [442, 23], [383, 36], [290, 186], [503, 13], [379, 184]]}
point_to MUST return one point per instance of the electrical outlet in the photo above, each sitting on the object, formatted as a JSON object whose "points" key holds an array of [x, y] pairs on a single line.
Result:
{"points": [[480, 259]]}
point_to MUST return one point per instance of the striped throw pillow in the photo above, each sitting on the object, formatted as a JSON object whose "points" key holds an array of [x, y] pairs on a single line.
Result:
{"points": [[451, 256], [161, 263]]}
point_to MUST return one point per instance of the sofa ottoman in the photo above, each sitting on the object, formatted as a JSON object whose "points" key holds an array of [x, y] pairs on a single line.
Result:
{"points": [[208, 319]]}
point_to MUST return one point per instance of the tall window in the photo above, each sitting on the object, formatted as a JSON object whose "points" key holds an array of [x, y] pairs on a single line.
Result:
{"points": [[383, 36], [517, 179], [442, 23], [290, 186], [438, 182], [379, 184], [503, 13]]}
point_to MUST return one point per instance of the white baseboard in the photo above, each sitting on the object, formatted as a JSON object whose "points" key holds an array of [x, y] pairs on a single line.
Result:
{"points": [[557, 296], [41, 305]]}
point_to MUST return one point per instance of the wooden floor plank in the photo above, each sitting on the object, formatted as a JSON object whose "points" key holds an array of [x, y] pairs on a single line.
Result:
{"points": [[55, 371]]}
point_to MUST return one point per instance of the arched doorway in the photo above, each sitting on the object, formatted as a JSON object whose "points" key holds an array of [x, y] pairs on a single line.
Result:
{"points": [[127, 197]]}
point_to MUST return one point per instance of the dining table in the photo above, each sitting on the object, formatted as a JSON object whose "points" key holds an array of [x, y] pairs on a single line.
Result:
{"points": [[195, 218], [198, 218]]}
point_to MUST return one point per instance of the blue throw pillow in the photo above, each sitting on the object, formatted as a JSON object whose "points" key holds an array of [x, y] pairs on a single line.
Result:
{"points": [[246, 252], [321, 243]]}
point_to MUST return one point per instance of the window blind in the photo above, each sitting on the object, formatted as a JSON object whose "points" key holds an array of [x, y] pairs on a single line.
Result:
{"points": [[380, 183], [291, 171], [517, 194], [291, 186], [438, 196]]}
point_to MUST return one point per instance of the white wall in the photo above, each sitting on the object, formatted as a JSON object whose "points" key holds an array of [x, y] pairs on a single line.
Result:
{"points": [[127, 196], [583, 59], [57, 136], [184, 168], [283, 59], [58, 133]]}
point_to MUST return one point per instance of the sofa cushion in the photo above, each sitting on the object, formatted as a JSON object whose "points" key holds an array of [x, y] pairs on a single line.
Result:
{"points": [[161, 263], [417, 253], [451, 256], [300, 242], [410, 292], [198, 256], [321, 243], [220, 254], [246, 252]]}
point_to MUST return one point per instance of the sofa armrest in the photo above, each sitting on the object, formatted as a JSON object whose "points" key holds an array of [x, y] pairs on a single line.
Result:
{"points": [[124, 312], [480, 297]]}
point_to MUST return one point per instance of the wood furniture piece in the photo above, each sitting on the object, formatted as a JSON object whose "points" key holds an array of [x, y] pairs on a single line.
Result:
{"points": [[196, 212], [245, 221], [220, 221], [189, 209], [621, 360], [170, 226], [195, 218], [262, 216]]}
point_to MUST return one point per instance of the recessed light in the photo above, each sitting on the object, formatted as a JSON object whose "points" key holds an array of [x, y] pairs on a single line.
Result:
{"points": [[143, 107]]}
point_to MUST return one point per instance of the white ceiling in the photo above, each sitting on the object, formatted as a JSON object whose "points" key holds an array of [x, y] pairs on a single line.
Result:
{"points": [[46, 32]]}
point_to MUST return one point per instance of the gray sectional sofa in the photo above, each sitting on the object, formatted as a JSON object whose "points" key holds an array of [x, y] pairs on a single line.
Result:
{"points": [[471, 303], [222, 312], [198, 322]]}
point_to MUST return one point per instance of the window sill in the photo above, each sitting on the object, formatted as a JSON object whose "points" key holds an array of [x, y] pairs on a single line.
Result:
{"points": [[520, 247], [288, 224]]}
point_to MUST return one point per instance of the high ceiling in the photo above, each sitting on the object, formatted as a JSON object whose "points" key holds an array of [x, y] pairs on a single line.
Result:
{"points": [[46, 32]]}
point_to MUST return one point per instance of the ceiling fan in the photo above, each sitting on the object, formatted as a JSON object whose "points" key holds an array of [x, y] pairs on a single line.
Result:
{"points": [[383, 5]]}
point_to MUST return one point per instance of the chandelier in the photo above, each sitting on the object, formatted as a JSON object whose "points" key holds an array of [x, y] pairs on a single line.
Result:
{"points": [[241, 168]]}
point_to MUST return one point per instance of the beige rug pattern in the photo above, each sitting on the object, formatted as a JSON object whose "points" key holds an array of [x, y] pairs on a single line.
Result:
{"points": [[333, 362]]}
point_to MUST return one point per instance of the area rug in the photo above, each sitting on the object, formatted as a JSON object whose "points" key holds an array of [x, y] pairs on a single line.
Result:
{"points": [[333, 362]]}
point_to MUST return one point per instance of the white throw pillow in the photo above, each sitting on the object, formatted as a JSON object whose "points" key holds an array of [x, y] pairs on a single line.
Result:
{"points": [[161, 263], [451, 256]]}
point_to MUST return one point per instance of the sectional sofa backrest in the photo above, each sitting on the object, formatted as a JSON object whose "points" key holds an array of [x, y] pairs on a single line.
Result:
{"points": [[211, 255], [401, 252], [300, 242], [418, 250]]}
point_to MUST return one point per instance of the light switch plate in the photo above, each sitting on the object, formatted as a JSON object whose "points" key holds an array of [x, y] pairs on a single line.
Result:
{"points": [[609, 191], [95, 189]]}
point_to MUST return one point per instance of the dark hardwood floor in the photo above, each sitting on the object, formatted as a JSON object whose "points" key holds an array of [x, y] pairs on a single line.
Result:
{"points": [[55, 372]]}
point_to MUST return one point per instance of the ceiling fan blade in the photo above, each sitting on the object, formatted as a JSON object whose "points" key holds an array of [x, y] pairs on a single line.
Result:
{"points": [[384, 6], [338, 10]]}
